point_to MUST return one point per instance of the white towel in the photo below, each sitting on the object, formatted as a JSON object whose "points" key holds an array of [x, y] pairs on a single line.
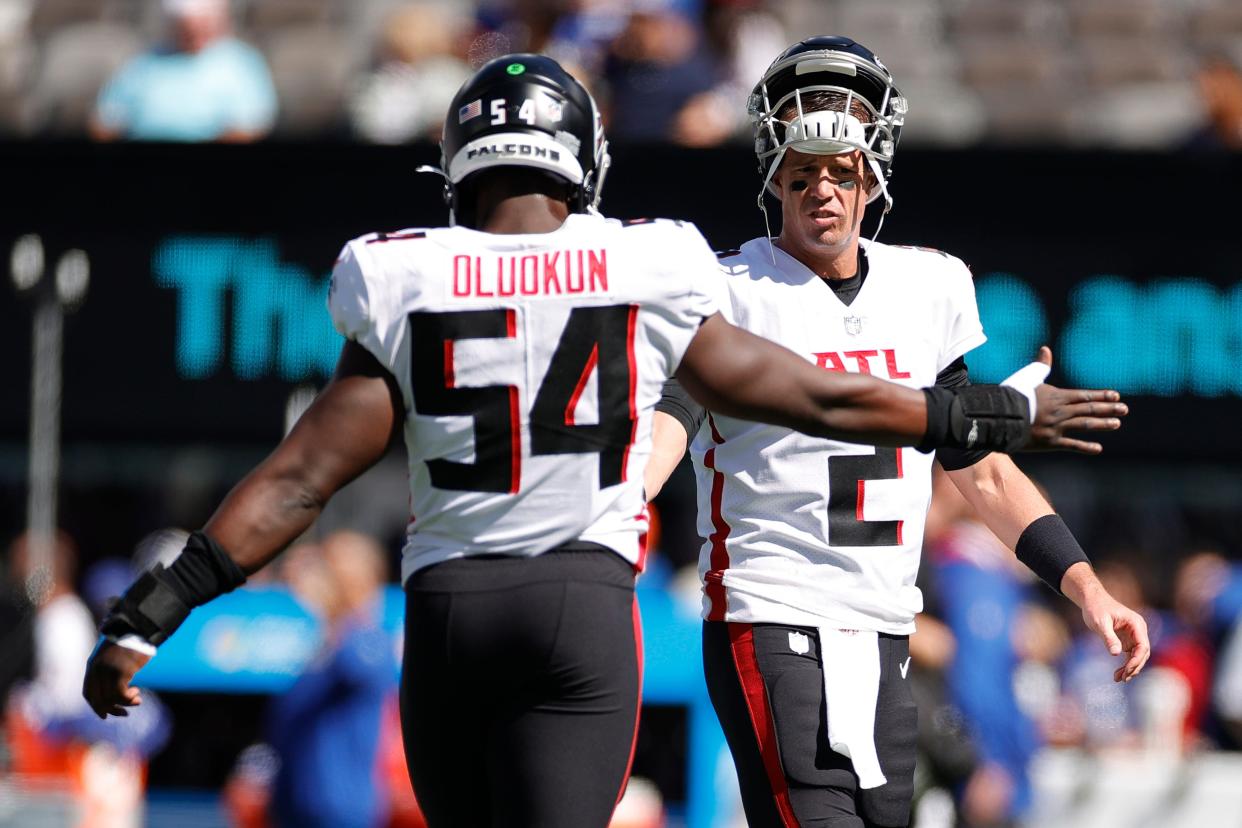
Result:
{"points": [[851, 661]]}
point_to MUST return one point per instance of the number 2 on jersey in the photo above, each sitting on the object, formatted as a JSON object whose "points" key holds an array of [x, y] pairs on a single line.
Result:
{"points": [[595, 340], [847, 486]]}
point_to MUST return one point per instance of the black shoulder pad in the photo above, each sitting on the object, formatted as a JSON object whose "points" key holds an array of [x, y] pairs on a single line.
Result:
{"points": [[725, 254]]}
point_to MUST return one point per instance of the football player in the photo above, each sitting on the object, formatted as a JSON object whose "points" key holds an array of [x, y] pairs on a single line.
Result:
{"points": [[812, 545], [522, 351]]}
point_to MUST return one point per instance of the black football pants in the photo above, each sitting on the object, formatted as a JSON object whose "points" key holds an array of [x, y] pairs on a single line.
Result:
{"points": [[769, 697], [520, 688]]}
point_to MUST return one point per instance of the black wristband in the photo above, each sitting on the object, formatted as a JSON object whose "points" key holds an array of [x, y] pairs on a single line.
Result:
{"points": [[149, 609], [1048, 548], [990, 417], [158, 602], [203, 570]]}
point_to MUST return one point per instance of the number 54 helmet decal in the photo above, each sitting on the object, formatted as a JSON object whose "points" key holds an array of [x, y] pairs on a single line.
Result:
{"points": [[524, 110]]}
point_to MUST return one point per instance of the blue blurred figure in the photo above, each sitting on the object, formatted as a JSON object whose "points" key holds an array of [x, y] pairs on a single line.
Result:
{"points": [[205, 85], [982, 592], [325, 728], [660, 74]]}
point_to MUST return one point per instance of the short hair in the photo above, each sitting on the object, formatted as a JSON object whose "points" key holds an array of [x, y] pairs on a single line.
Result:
{"points": [[819, 100]]}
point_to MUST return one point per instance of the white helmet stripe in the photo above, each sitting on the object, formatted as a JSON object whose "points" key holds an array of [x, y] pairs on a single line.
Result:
{"points": [[518, 149]]}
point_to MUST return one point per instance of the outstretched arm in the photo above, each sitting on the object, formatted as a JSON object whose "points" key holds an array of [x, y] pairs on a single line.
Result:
{"points": [[344, 432], [734, 372], [1013, 508]]}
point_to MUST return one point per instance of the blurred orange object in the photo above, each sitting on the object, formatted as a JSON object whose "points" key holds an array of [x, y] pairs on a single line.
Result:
{"points": [[390, 764]]}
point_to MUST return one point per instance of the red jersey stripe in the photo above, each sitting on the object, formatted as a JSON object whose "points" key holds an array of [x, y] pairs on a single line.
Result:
{"points": [[713, 581], [632, 361], [572, 405]]}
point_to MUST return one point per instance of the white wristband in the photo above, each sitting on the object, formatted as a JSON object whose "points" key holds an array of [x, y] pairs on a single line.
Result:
{"points": [[1026, 379], [136, 643]]}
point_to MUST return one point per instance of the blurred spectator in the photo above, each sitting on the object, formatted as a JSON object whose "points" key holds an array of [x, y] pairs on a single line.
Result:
{"points": [[1227, 689], [946, 752], [1184, 646], [326, 727], [982, 591], [247, 794], [657, 71], [407, 95], [53, 733], [204, 85], [576, 33], [1217, 589], [1220, 88], [746, 35], [16, 633]]}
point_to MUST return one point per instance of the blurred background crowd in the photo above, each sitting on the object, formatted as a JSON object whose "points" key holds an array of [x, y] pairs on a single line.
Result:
{"points": [[1077, 73], [1021, 722]]}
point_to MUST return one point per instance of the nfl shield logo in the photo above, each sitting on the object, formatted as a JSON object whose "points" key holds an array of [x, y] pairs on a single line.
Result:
{"points": [[799, 643], [555, 109], [853, 325]]}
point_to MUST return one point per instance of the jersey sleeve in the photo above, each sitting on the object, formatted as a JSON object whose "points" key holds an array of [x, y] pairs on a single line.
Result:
{"points": [[353, 298], [689, 290], [963, 330], [707, 289]]}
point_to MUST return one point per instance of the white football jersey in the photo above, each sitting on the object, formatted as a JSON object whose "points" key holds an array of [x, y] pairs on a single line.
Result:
{"points": [[802, 530], [530, 366]]}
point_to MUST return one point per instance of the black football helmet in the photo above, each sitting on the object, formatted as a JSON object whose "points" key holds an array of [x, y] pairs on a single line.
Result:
{"points": [[525, 110], [832, 64]]}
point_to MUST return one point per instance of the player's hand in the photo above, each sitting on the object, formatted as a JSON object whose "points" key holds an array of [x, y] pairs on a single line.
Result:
{"points": [[1059, 410], [1122, 629], [108, 674]]}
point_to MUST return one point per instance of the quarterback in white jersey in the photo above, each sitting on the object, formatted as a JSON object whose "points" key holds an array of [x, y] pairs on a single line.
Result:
{"points": [[535, 361], [824, 530], [811, 546]]}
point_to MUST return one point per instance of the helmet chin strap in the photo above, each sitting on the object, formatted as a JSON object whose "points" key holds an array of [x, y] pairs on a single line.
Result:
{"points": [[888, 198], [763, 207]]}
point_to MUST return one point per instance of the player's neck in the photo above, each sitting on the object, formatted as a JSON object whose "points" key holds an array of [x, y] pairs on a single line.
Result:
{"points": [[526, 213], [832, 265]]}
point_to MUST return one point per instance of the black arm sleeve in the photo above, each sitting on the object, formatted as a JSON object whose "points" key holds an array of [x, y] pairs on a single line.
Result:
{"points": [[1048, 547], [675, 402], [955, 376]]}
